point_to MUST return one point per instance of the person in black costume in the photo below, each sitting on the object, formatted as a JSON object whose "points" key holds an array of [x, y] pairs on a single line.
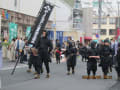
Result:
{"points": [[92, 55], [106, 57], [82, 51], [71, 53], [36, 62], [118, 62], [44, 49], [58, 44]]}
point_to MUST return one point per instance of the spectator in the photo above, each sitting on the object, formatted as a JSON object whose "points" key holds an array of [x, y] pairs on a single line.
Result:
{"points": [[12, 50]]}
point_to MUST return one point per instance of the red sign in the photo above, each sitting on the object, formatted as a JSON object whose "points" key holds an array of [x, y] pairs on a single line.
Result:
{"points": [[80, 39], [118, 33]]}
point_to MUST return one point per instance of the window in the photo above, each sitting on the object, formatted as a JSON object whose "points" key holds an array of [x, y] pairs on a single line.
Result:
{"points": [[112, 20], [95, 21], [103, 21], [112, 32], [103, 32], [94, 31], [12, 17]]}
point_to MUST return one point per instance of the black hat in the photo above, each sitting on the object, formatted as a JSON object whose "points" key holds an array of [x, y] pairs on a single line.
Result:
{"points": [[93, 44], [106, 41]]}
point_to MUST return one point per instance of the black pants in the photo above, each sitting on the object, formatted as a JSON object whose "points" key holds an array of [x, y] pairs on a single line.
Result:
{"points": [[22, 56], [25, 57], [58, 59], [118, 71], [30, 62], [44, 57], [69, 67], [37, 64], [84, 58], [46, 66], [118, 74], [91, 67], [105, 69]]}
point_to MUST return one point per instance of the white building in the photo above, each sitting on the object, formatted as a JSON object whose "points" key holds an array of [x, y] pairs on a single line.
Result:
{"points": [[32, 7]]}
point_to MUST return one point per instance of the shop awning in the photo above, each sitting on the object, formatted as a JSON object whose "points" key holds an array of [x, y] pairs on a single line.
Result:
{"points": [[87, 38]]}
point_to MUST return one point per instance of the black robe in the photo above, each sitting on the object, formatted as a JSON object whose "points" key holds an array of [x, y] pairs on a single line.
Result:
{"points": [[92, 62], [106, 56], [44, 48], [118, 61], [71, 56]]}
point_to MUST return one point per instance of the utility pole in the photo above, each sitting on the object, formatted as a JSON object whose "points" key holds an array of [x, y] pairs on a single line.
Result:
{"points": [[99, 20], [54, 25], [118, 15]]}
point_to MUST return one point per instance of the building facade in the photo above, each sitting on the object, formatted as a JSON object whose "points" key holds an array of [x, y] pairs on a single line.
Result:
{"points": [[108, 27], [22, 21]]}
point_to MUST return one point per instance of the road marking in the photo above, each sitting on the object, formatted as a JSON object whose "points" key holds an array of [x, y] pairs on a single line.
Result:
{"points": [[11, 67], [19, 66]]}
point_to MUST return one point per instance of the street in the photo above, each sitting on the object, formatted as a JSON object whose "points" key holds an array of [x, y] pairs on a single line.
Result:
{"points": [[22, 80]]}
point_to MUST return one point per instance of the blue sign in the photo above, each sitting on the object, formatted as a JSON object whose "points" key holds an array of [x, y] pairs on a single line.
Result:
{"points": [[51, 35], [97, 36]]}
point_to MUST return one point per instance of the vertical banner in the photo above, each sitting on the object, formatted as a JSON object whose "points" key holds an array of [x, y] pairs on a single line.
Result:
{"points": [[12, 31], [6, 14], [41, 22], [3, 14], [118, 33], [28, 30], [81, 40]]}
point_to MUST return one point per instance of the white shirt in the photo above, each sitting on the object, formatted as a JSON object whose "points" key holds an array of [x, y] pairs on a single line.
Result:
{"points": [[21, 44]]}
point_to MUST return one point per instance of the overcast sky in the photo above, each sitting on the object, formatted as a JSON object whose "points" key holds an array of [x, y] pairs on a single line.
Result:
{"points": [[109, 7]]}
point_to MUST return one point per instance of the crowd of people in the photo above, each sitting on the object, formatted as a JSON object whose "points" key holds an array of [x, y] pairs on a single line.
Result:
{"points": [[105, 54], [10, 50]]}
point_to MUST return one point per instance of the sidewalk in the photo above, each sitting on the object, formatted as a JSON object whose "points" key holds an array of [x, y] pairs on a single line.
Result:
{"points": [[7, 65]]}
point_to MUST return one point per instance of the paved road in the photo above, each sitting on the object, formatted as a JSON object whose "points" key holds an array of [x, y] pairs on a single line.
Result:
{"points": [[58, 80]]}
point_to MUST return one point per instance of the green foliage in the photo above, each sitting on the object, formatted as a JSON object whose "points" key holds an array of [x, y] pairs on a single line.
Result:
{"points": [[5, 44]]}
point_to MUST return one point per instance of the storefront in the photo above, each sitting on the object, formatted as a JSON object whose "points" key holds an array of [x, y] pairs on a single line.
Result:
{"points": [[59, 35]]}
